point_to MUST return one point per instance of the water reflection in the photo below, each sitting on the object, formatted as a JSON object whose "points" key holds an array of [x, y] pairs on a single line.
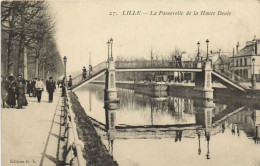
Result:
{"points": [[174, 127]]}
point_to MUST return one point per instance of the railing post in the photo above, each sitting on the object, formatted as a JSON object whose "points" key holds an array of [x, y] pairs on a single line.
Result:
{"points": [[74, 160], [69, 144]]}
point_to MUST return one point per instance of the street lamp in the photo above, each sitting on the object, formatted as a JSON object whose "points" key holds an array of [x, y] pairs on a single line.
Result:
{"points": [[198, 56], [253, 79], [65, 61], [207, 41], [108, 43], [111, 42]]}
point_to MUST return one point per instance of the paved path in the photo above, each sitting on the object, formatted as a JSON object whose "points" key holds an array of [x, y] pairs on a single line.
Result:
{"points": [[31, 136]]}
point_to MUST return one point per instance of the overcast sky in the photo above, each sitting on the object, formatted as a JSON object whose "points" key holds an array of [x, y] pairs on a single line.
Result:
{"points": [[85, 26]]}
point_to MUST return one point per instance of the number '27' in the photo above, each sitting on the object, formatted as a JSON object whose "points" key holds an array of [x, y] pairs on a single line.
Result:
{"points": [[112, 13]]}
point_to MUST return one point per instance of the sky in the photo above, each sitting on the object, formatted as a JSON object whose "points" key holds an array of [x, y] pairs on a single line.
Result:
{"points": [[84, 27]]}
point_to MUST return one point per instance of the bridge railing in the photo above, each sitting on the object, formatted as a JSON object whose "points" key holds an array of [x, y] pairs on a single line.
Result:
{"points": [[154, 64], [231, 77], [74, 155], [95, 70]]}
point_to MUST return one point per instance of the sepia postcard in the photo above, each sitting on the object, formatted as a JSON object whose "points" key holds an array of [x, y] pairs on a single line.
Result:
{"points": [[130, 83]]}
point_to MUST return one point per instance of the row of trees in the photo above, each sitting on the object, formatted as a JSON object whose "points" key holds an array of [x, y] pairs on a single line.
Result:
{"points": [[28, 42]]}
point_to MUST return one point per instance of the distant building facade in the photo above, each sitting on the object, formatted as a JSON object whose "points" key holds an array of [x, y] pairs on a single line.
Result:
{"points": [[242, 61]]}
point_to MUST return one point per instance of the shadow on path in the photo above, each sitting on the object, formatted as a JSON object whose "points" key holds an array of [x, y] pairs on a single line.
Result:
{"points": [[53, 159]]}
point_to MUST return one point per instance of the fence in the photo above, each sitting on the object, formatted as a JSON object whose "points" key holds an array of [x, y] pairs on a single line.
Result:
{"points": [[74, 156]]}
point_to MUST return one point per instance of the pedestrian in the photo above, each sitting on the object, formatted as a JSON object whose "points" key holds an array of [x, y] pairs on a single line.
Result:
{"points": [[33, 87], [20, 92], [58, 83], [63, 89], [30, 88], [11, 91], [4, 90], [84, 73], [39, 88], [70, 82], [90, 70], [50, 88]]}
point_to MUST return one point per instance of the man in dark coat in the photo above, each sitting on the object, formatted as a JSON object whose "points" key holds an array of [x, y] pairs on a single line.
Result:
{"points": [[84, 73], [33, 87], [70, 82], [50, 85], [30, 87]]}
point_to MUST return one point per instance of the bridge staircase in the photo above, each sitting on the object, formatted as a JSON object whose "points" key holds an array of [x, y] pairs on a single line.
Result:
{"points": [[96, 72], [229, 79]]}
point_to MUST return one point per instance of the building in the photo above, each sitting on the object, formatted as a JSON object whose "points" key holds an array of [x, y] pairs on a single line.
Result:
{"points": [[242, 61], [221, 63]]}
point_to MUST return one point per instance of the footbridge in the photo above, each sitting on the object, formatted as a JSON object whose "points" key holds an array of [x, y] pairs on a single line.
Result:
{"points": [[203, 75]]}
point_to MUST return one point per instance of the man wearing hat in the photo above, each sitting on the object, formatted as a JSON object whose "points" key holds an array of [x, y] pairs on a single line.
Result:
{"points": [[84, 73], [50, 88]]}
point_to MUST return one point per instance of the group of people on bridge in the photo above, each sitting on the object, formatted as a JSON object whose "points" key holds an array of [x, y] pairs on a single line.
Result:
{"points": [[13, 91], [84, 75], [84, 72]]}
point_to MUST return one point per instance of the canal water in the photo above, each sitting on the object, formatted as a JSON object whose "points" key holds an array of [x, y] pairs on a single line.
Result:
{"points": [[170, 130]]}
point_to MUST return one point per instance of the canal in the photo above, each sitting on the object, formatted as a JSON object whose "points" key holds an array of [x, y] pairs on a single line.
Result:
{"points": [[173, 129]]}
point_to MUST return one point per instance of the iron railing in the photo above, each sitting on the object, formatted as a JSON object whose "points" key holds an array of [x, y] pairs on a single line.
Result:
{"points": [[153, 64], [235, 79], [74, 155], [95, 70], [231, 75]]}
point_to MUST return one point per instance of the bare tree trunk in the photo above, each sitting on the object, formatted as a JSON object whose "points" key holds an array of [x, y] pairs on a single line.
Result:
{"points": [[10, 68], [25, 72], [37, 63], [36, 67], [20, 56], [21, 48]]}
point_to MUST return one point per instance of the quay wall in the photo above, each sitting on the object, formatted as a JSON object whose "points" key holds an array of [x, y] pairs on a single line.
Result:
{"points": [[94, 152]]}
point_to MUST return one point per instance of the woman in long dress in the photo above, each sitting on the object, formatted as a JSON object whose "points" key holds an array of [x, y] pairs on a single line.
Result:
{"points": [[12, 86], [21, 99]]}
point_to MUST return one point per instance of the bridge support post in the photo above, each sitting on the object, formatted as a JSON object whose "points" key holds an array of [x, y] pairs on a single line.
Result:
{"points": [[110, 83], [203, 82], [111, 100]]}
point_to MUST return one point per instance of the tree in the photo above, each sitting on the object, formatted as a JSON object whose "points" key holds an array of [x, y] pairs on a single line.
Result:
{"points": [[27, 24]]}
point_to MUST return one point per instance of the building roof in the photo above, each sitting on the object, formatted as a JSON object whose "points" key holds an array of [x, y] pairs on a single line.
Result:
{"points": [[222, 59], [247, 50]]}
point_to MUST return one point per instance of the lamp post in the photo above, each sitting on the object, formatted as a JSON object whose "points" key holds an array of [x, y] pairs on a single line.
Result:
{"points": [[108, 44], [207, 41], [198, 56], [253, 79], [111, 42], [65, 61]]}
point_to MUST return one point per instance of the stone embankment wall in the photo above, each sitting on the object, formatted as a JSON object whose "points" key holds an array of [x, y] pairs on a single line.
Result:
{"points": [[94, 150]]}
